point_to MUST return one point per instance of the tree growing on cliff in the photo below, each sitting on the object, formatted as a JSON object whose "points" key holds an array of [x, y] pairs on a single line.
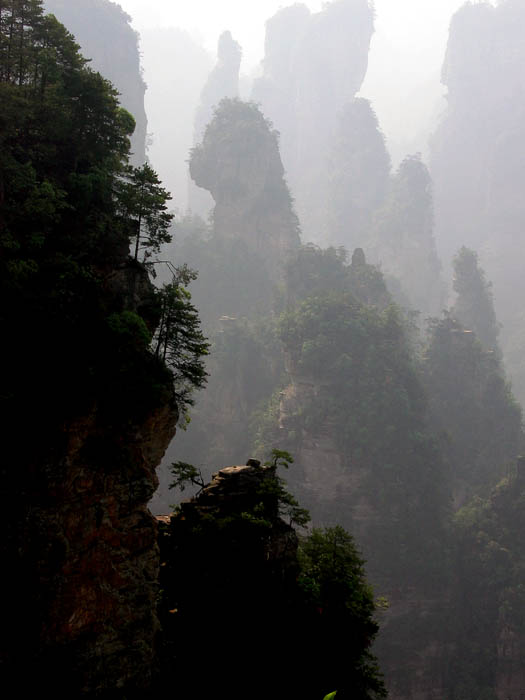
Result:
{"points": [[179, 341], [142, 201]]}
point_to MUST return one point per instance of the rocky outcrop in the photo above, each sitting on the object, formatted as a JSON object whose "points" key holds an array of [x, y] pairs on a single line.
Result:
{"points": [[239, 163], [80, 542], [314, 65]]}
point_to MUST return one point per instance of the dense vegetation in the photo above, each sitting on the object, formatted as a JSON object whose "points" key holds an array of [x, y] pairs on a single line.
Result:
{"points": [[305, 599], [67, 223]]}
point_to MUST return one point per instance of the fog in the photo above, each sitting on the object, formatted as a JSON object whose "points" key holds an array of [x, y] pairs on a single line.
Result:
{"points": [[403, 79], [265, 236]]}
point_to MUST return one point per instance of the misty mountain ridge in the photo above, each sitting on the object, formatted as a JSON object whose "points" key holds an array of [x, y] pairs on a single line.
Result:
{"points": [[308, 307]]}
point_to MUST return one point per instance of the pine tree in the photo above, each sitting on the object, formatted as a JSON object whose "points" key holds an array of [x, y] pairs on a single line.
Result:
{"points": [[142, 201], [179, 341]]}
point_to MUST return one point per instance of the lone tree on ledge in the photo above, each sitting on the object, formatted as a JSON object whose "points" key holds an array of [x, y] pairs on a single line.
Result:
{"points": [[142, 201]]}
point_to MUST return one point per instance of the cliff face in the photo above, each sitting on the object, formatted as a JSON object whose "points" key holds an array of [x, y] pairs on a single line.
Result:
{"points": [[412, 645], [90, 562], [477, 155], [88, 408], [222, 82], [239, 261], [402, 239], [84, 547], [359, 175], [105, 36], [314, 64], [489, 566]]}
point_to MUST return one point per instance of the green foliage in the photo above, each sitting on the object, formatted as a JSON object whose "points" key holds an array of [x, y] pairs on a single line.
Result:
{"points": [[178, 340], [131, 327], [63, 143], [489, 559], [185, 474], [312, 271], [279, 458], [368, 399], [332, 579], [333, 572], [288, 505], [142, 203], [69, 208]]}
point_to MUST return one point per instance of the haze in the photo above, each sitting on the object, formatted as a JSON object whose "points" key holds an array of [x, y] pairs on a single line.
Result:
{"points": [[403, 79]]}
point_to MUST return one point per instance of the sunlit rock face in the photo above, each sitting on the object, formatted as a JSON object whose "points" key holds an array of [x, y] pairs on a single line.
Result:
{"points": [[314, 64], [106, 38], [477, 158], [238, 162]]}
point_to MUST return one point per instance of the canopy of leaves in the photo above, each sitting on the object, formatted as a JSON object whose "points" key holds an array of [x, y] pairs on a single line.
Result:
{"points": [[65, 229], [370, 400], [311, 271]]}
